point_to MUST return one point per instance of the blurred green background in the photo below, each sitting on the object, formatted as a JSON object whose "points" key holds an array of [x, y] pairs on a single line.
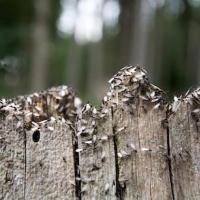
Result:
{"points": [[82, 43]]}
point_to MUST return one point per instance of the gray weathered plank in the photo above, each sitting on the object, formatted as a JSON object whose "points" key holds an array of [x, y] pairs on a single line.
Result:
{"points": [[50, 162], [97, 158], [134, 147], [42, 169], [185, 147], [141, 141], [12, 156], [142, 151]]}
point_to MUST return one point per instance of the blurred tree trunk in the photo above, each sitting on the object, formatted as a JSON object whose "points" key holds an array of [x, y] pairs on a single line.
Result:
{"points": [[96, 86], [155, 46], [140, 32], [40, 45], [126, 27], [73, 65], [73, 68], [95, 82], [190, 49], [134, 22]]}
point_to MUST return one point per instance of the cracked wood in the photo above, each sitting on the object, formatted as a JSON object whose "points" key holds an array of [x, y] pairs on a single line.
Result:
{"points": [[135, 147]]}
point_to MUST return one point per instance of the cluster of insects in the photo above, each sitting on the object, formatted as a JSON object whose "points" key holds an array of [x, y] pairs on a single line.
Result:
{"points": [[38, 108], [131, 83], [128, 84]]}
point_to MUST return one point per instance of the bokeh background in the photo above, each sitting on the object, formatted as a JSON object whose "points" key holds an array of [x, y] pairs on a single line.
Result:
{"points": [[82, 43]]}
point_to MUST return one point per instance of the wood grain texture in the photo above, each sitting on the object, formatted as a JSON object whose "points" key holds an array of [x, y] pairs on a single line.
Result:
{"points": [[142, 153], [50, 163], [36, 146], [185, 150], [135, 147], [97, 157], [140, 139], [142, 150], [12, 157]]}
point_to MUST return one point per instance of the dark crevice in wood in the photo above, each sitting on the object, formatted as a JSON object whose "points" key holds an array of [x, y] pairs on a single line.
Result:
{"points": [[137, 110], [196, 119], [170, 161], [76, 166], [52, 107], [36, 136], [119, 188], [25, 164]]}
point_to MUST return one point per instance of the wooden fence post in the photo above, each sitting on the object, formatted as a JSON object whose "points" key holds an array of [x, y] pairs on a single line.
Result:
{"points": [[140, 138], [184, 141], [135, 146]]}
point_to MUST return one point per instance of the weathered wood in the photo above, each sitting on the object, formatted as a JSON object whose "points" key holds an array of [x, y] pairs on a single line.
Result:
{"points": [[185, 147], [50, 162], [135, 147], [37, 146], [142, 154], [141, 140], [12, 156], [97, 156]]}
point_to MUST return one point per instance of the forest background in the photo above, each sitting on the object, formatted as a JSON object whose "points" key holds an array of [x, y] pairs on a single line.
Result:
{"points": [[82, 43]]}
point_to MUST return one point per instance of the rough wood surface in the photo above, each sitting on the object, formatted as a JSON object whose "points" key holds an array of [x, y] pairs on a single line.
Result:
{"points": [[185, 147], [97, 156], [12, 157], [37, 146], [141, 140], [50, 162], [135, 147]]}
